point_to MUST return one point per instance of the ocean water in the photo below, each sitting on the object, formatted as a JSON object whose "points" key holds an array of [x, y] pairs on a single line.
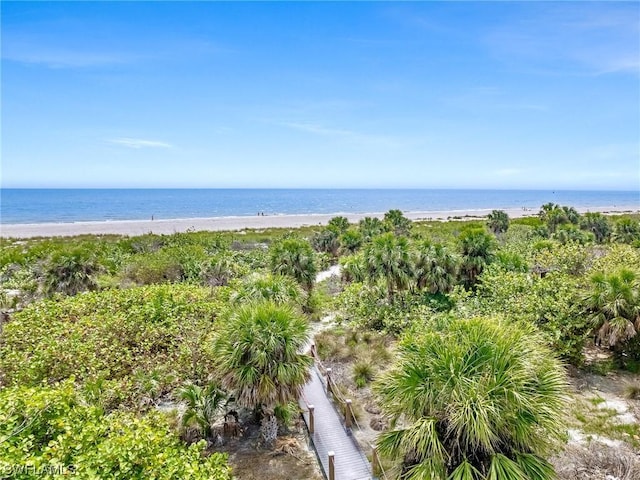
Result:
{"points": [[74, 205]]}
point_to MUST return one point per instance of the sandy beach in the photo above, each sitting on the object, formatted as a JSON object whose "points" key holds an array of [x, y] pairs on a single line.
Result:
{"points": [[140, 227]]}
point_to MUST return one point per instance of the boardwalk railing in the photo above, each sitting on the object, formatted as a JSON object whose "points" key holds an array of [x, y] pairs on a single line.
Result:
{"points": [[343, 409]]}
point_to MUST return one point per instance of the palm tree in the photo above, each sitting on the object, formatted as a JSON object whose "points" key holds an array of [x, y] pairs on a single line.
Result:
{"points": [[353, 268], [478, 399], [259, 287], [597, 224], [203, 406], [477, 247], [70, 271], [554, 215], [498, 221], [387, 258], [294, 257], [326, 241], [614, 309], [396, 222], [370, 227], [258, 350], [350, 241], [435, 268], [627, 230], [339, 224]]}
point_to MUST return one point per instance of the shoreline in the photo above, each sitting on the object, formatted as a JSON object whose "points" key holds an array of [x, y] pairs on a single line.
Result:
{"points": [[235, 223]]}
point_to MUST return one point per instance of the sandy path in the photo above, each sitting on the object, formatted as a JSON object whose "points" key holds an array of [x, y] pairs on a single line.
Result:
{"points": [[139, 227]]}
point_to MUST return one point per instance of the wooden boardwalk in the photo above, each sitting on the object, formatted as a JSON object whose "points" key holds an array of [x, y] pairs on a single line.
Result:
{"points": [[331, 435]]}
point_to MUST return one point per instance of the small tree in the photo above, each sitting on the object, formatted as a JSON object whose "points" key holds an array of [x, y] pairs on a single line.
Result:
{"points": [[498, 221], [478, 399], [326, 241], [259, 357]]}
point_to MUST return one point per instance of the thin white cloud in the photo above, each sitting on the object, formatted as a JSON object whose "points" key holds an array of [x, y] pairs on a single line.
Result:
{"points": [[139, 143]]}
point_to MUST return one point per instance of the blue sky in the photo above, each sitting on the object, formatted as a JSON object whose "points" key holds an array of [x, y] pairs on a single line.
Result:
{"points": [[382, 94]]}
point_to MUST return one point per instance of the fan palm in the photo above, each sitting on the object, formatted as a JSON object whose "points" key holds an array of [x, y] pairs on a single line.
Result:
{"points": [[627, 230], [70, 272], [294, 257], [258, 352], [477, 247], [203, 406], [370, 227], [597, 224], [258, 287], [614, 308], [435, 268], [396, 222], [478, 399], [387, 258], [498, 221]]}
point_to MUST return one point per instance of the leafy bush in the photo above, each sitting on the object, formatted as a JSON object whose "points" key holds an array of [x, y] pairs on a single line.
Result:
{"points": [[45, 427], [368, 307], [112, 335], [551, 303]]}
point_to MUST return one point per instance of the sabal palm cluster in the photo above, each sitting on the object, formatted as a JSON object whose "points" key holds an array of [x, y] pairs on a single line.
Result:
{"points": [[475, 399]]}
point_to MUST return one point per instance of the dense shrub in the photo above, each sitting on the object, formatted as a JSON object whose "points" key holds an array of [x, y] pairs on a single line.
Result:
{"points": [[118, 335], [52, 429]]}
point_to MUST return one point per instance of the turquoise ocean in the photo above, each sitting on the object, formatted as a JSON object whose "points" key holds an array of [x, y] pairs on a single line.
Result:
{"points": [[74, 205]]}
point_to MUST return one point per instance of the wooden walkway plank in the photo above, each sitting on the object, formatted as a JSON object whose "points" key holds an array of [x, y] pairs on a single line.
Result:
{"points": [[331, 435]]}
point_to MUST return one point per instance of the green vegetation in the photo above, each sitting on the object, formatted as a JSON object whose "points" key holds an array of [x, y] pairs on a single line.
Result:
{"points": [[53, 426], [259, 359], [614, 306], [479, 399], [99, 336]]}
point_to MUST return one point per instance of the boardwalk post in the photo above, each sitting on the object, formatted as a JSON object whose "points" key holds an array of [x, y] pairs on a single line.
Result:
{"points": [[311, 422], [313, 350], [329, 390], [375, 462], [348, 414], [332, 465]]}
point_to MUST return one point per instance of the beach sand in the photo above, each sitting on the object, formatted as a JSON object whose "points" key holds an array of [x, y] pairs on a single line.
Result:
{"points": [[140, 227]]}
